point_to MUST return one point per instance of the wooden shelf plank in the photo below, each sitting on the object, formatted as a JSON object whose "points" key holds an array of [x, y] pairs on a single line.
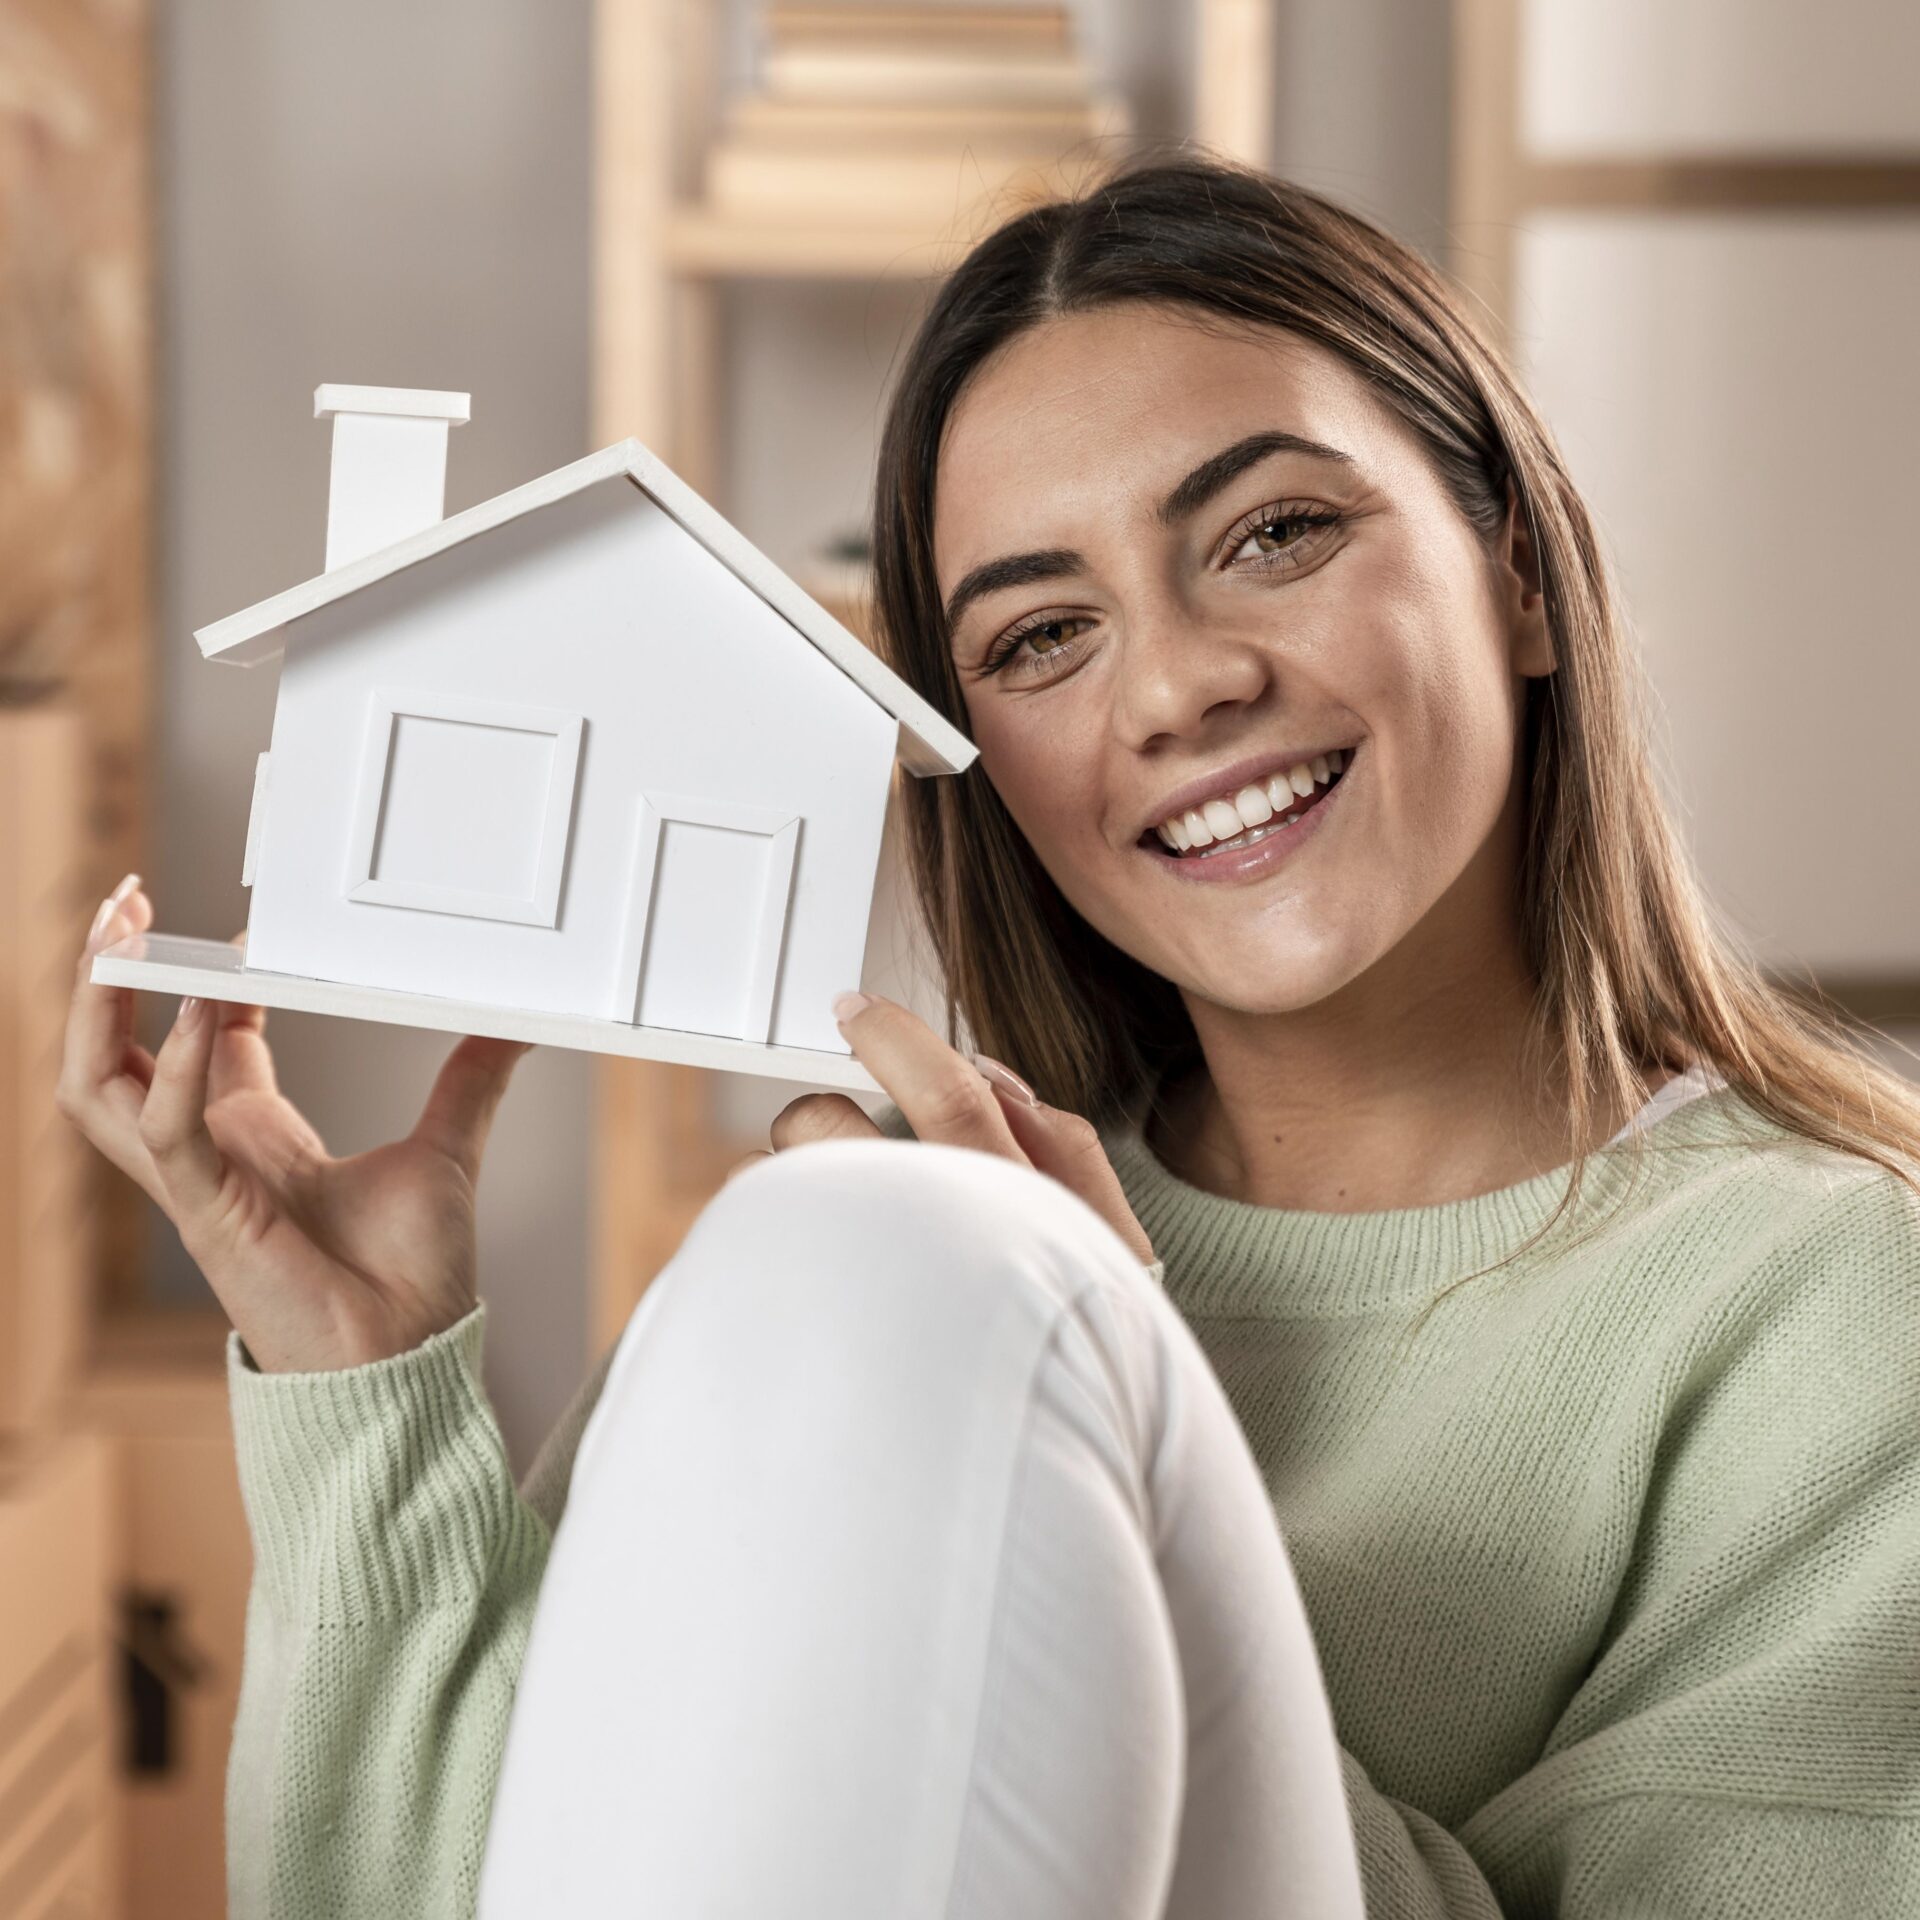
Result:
{"points": [[719, 246], [1723, 183]]}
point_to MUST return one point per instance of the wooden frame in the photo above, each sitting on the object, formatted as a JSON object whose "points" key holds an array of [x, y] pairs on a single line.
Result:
{"points": [[1235, 55], [47, 1224]]}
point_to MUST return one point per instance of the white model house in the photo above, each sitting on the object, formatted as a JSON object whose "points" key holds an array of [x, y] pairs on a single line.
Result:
{"points": [[578, 765]]}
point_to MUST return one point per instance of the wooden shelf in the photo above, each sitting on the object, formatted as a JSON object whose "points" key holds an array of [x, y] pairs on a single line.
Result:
{"points": [[719, 246]]}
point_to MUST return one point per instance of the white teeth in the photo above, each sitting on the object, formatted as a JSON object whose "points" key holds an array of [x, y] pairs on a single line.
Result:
{"points": [[1253, 806], [1223, 820]]}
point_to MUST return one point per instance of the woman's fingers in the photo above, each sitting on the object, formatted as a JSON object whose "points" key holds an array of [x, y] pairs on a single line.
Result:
{"points": [[466, 1095], [173, 1122], [242, 1059], [100, 1018], [819, 1116], [943, 1096], [1068, 1148], [103, 1073]]}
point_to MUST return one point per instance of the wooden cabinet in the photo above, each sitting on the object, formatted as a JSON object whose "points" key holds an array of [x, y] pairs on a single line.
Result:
{"points": [[156, 1397], [45, 1265], [59, 1844], [124, 1563]]}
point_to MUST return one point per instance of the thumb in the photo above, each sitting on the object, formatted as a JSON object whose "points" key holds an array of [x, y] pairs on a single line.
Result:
{"points": [[466, 1094], [1067, 1147]]}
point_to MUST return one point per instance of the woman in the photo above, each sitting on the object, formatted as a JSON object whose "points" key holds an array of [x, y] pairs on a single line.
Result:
{"points": [[1546, 1274]]}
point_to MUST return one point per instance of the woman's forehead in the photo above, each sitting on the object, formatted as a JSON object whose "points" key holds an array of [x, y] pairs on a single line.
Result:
{"points": [[1116, 404]]}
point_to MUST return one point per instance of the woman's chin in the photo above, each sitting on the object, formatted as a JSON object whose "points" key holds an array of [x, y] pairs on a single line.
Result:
{"points": [[1262, 987]]}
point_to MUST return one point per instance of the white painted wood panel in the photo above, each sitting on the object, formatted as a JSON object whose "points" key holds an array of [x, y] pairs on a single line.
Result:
{"points": [[1633, 77], [1739, 399]]}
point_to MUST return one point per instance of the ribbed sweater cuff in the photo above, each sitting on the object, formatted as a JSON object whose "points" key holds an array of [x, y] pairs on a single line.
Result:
{"points": [[379, 1491]]}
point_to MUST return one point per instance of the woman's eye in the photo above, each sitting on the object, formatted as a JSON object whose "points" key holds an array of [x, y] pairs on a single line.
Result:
{"points": [[1274, 533], [1049, 635], [1039, 646]]}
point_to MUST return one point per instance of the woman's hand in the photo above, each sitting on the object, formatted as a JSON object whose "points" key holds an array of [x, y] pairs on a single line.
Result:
{"points": [[946, 1097], [320, 1263]]}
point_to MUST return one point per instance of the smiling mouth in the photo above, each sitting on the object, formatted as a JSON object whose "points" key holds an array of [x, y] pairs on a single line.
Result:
{"points": [[1284, 807]]}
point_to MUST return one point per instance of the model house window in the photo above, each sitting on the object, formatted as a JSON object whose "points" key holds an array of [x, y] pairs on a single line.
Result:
{"points": [[463, 806]]}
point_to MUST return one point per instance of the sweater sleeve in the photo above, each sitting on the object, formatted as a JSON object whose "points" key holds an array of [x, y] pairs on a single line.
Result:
{"points": [[1746, 1739], [395, 1572]]}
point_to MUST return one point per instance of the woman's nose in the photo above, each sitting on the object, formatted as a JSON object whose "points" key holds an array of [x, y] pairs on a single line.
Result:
{"points": [[1176, 669]]}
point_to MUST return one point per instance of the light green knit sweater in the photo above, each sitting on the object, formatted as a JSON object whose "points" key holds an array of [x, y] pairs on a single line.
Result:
{"points": [[1614, 1570]]}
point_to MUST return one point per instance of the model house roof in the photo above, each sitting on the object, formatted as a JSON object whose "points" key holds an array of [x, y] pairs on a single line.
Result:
{"points": [[930, 744]]}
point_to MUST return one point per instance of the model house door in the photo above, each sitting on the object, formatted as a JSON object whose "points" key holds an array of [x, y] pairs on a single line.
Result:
{"points": [[706, 916]]}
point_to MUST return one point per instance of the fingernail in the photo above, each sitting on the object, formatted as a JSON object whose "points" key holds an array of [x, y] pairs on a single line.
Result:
{"points": [[109, 907], [188, 1017], [1005, 1079], [846, 1005]]}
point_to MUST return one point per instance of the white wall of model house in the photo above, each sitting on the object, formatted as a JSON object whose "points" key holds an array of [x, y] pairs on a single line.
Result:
{"points": [[573, 764]]}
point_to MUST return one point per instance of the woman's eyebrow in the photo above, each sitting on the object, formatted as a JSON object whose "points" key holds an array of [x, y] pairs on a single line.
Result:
{"points": [[1219, 469], [1213, 473], [1010, 570]]}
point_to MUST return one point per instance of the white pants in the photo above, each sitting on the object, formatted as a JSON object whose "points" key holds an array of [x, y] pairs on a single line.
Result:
{"points": [[915, 1565]]}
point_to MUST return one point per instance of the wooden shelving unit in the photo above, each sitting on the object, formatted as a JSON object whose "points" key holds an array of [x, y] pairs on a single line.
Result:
{"points": [[117, 1477], [1499, 186], [662, 261]]}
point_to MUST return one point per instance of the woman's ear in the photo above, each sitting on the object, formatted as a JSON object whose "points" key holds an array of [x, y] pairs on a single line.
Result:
{"points": [[1525, 603]]}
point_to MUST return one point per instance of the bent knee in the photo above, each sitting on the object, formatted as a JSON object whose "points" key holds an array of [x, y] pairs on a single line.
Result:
{"points": [[905, 1228]]}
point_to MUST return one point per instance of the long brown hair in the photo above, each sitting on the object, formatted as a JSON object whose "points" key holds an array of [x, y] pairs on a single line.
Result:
{"points": [[1632, 971]]}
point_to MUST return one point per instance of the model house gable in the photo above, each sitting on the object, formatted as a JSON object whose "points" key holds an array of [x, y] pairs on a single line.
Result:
{"points": [[930, 744]]}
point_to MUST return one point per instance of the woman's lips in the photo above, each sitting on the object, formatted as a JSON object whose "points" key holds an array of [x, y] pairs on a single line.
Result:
{"points": [[1266, 848]]}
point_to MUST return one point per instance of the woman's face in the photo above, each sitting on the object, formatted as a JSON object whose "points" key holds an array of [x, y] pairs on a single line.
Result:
{"points": [[1185, 563]]}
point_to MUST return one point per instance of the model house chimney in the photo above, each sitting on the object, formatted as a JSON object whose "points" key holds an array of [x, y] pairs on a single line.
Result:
{"points": [[389, 464]]}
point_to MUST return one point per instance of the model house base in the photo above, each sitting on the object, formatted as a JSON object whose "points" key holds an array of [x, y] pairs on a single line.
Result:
{"points": [[218, 970]]}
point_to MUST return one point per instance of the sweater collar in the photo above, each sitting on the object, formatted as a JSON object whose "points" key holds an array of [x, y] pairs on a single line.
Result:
{"points": [[1232, 1257]]}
